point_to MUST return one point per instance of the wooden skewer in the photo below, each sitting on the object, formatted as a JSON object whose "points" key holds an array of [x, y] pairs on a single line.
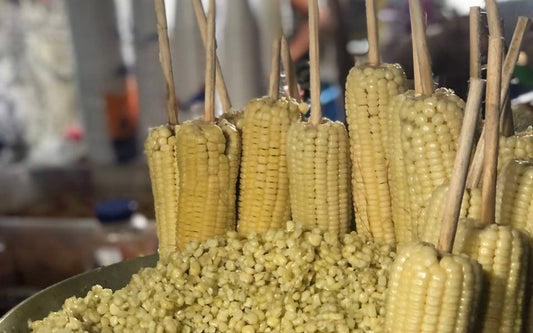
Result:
{"points": [[506, 120], [288, 68], [476, 170], [495, 28], [454, 197], [475, 50], [273, 89], [372, 33], [492, 111], [416, 69], [422, 51], [210, 75], [166, 62], [201, 20], [314, 64]]}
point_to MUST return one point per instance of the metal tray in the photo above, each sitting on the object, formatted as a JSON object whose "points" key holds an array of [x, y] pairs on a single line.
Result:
{"points": [[52, 298]]}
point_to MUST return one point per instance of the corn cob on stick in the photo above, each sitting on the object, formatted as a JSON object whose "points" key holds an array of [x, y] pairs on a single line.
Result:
{"points": [[264, 184], [470, 208], [160, 150], [471, 204], [430, 289], [318, 158], [502, 251], [369, 88], [430, 127], [514, 195], [208, 157]]}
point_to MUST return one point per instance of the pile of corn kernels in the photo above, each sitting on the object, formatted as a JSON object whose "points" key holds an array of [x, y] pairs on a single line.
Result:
{"points": [[292, 280]]}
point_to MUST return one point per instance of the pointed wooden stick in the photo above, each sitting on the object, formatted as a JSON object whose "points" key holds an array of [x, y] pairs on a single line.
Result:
{"points": [[506, 120], [288, 68], [476, 169], [372, 33], [492, 113], [314, 64], [456, 190], [201, 20], [210, 75], [166, 62], [273, 88], [475, 35], [422, 51]]}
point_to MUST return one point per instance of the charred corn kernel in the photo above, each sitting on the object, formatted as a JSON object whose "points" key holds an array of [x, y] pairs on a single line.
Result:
{"points": [[430, 127], [430, 217], [368, 92], [397, 173], [430, 292], [514, 195], [234, 117], [160, 150], [208, 158], [264, 184], [503, 254], [319, 175], [519, 145]]}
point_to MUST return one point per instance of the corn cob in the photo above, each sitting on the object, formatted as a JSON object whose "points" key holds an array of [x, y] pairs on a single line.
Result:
{"points": [[503, 254], [430, 292], [208, 159], [160, 150], [264, 184], [519, 145], [430, 129], [319, 175], [368, 92], [514, 206], [397, 174], [427, 230], [514, 195], [234, 117]]}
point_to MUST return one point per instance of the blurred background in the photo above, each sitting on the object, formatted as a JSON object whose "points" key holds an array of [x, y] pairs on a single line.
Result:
{"points": [[80, 84]]}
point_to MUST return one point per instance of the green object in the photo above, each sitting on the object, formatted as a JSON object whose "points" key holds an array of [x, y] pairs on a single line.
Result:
{"points": [[52, 298], [524, 75]]}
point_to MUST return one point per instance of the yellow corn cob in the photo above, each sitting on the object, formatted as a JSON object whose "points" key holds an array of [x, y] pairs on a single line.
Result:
{"points": [[368, 91], [264, 184], [514, 195], [514, 206], [503, 254], [430, 129], [519, 145], [428, 221], [160, 149], [319, 175], [208, 157], [397, 174], [430, 292]]}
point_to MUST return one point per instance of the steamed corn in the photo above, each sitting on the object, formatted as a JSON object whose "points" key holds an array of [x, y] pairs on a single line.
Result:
{"points": [[319, 175], [208, 161], [160, 150], [503, 254], [264, 183], [432, 292], [368, 92], [292, 280], [430, 127], [430, 217]]}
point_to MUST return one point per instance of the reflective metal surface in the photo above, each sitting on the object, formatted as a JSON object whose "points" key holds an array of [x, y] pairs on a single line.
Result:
{"points": [[51, 299]]}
